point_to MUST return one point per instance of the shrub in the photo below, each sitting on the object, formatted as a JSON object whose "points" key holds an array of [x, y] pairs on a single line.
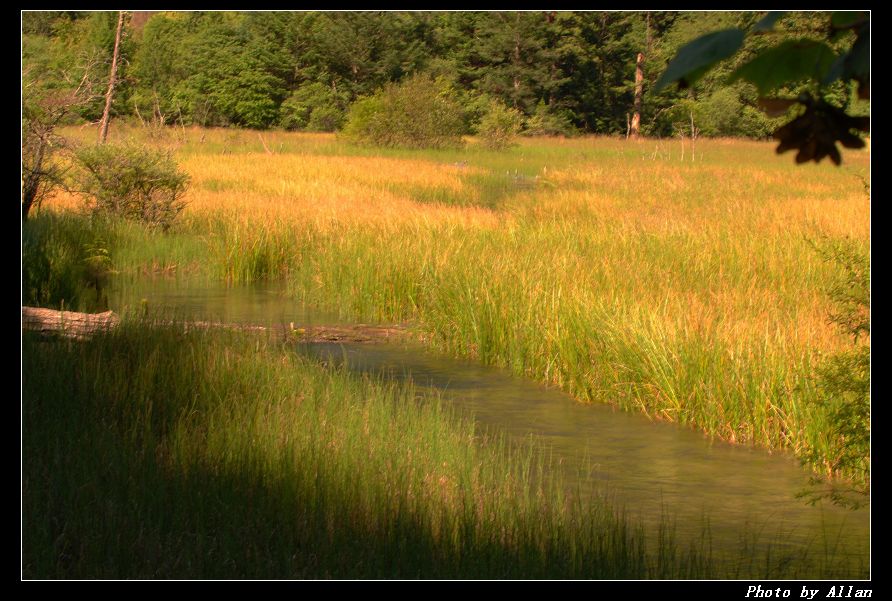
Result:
{"points": [[419, 112], [725, 112], [843, 379], [499, 126], [132, 182], [545, 121], [66, 261], [313, 107]]}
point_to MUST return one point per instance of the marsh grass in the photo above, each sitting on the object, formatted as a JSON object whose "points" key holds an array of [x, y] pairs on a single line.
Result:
{"points": [[210, 455], [153, 453], [686, 290], [66, 261]]}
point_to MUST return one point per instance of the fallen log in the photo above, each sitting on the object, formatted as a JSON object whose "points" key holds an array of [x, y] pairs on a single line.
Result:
{"points": [[72, 324], [358, 333]]}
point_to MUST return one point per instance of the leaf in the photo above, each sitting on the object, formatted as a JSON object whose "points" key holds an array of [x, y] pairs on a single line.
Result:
{"points": [[695, 58], [857, 65], [847, 19], [787, 62], [836, 70], [767, 22], [776, 107]]}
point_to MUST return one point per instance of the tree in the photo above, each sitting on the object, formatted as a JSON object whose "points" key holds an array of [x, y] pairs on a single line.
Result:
{"points": [[635, 125], [112, 80], [419, 112], [43, 110], [841, 55]]}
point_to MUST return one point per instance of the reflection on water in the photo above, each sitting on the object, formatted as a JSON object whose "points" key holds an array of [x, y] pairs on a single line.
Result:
{"points": [[259, 304], [652, 468]]}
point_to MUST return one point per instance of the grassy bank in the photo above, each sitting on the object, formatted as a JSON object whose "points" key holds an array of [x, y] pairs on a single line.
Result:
{"points": [[149, 453], [685, 289]]}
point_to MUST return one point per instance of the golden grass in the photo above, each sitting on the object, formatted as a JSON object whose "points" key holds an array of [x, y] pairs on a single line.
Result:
{"points": [[712, 252], [736, 200], [356, 191]]}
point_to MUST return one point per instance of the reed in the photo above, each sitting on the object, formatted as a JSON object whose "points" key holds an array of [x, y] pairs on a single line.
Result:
{"points": [[153, 453], [687, 290]]}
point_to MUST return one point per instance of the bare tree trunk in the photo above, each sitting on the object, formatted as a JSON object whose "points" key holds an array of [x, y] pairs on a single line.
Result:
{"points": [[67, 323], [639, 81], [694, 133], [32, 180], [112, 79], [639, 88]]}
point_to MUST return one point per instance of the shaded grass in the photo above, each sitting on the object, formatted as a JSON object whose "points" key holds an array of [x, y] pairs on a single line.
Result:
{"points": [[202, 457], [150, 453], [66, 259]]}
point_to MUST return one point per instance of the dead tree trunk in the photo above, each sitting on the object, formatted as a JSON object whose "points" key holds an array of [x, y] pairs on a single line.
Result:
{"points": [[635, 128], [639, 88], [112, 80]]}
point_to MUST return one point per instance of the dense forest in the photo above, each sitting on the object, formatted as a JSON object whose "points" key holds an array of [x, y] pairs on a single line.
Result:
{"points": [[565, 72]]}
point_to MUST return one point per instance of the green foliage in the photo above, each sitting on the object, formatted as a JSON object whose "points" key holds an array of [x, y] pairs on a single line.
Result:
{"points": [[416, 113], [844, 379], [212, 69], [66, 260], [695, 58], [314, 107], [721, 113], [132, 182], [788, 62], [499, 126], [302, 70], [839, 54], [546, 121]]}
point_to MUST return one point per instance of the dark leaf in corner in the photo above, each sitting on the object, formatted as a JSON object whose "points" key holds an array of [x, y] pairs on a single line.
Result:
{"points": [[816, 132], [776, 107]]}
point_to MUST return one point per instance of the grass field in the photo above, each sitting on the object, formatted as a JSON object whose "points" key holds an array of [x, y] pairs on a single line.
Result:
{"points": [[687, 290]]}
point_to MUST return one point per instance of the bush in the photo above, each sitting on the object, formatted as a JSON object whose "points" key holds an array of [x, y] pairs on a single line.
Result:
{"points": [[548, 122], [416, 113], [725, 112], [66, 261], [313, 107], [499, 126], [843, 379], [132, 182]]}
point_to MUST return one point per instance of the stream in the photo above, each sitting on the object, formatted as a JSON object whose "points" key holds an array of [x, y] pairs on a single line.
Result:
{"points": [[747, 496]]}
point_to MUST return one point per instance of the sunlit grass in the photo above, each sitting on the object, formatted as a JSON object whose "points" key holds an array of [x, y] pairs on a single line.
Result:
{"points": [[616, 270]]}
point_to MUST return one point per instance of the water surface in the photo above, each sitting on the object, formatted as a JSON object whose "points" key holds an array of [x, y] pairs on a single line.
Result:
{"points": [[653, 469]]}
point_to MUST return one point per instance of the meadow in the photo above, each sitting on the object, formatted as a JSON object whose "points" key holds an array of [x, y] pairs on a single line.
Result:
{"points": [[621, 272]]}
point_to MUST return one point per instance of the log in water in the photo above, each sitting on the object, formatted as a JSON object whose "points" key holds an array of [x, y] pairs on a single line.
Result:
{"points": [[72, 324]]}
